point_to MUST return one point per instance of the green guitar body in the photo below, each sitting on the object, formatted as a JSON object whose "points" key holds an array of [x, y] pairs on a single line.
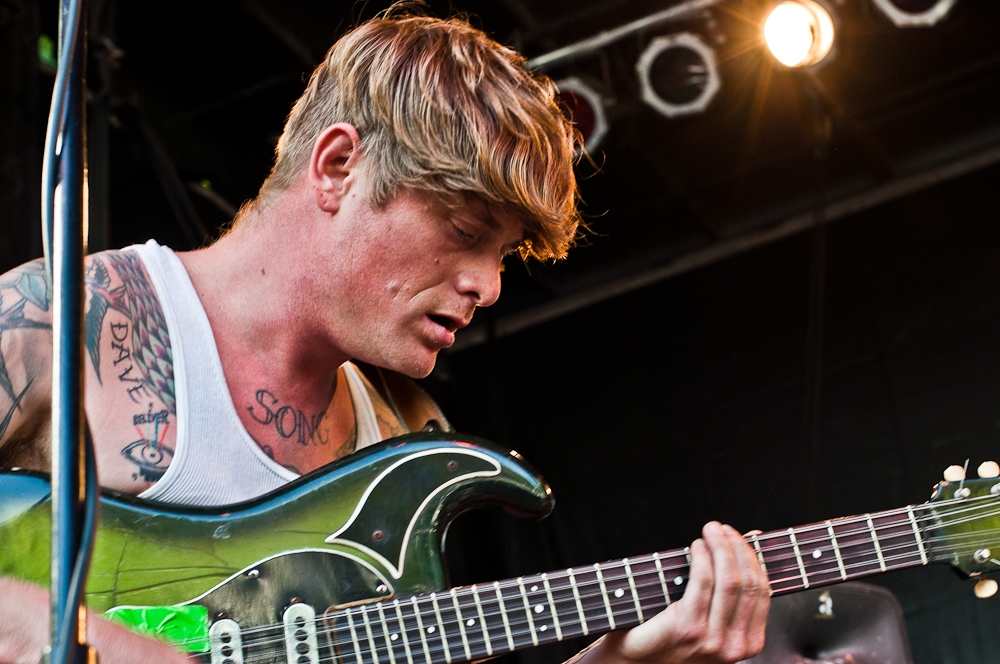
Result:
{"points": [[368, 527]]}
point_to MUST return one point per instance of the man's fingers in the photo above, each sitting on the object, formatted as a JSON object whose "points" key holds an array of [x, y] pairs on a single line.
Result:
{"points": [[744, 632], [727, 585], [698, 595]]}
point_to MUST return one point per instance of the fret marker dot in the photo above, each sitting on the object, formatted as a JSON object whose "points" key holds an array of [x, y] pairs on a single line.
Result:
{"points": [[470, 622], [430, 630], [534, 588], [619, 592], [539, 608], [817, 553], [542, 628], [394, 636], [679, 580]]}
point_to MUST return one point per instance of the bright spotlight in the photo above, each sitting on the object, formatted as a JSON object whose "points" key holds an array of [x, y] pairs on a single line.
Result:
{"points": [[914, 13], [799, 33]]}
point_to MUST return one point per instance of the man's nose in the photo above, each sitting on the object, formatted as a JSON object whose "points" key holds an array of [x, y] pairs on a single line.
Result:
{"points": [[481, 282]]}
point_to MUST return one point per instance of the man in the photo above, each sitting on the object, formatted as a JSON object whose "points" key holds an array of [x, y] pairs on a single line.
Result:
{"points": [[421, 154]]}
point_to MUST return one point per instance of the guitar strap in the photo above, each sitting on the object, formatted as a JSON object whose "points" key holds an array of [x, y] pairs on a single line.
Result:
{"points": [[401, 406]]}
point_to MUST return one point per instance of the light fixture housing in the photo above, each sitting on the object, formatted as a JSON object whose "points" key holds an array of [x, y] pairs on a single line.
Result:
{"points": [[678, 75], [799, 33], [914, 13], [586, 110]]}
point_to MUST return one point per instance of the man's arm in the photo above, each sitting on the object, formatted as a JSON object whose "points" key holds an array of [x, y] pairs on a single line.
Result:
{"points": [[721, 618], [25, 398], [24, 632]]}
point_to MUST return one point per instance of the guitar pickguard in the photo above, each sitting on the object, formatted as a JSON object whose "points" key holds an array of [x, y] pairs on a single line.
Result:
{"points": [[259, 594], [408, 485]]}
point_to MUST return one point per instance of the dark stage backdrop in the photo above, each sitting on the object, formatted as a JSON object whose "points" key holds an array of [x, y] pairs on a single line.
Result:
{"points": [[656, 412]]}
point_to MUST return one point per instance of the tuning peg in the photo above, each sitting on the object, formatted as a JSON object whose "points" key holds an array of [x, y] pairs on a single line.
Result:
{"points": [[954, 473], [986, 588], [989, 469]]}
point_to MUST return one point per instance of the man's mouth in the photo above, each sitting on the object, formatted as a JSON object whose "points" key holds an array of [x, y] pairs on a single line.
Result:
{"points": [[447, 322]]}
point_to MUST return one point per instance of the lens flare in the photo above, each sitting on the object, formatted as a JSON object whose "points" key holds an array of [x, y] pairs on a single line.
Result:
{"points": [[799, 33]]}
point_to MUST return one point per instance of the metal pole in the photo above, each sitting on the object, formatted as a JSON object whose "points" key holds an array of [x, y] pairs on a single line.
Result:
{"points": [[68, 245], [602, 39]]}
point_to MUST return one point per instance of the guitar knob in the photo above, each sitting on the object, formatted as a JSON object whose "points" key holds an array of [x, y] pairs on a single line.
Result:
{"points": [[954, 473], [986, 588], [989, 469]]}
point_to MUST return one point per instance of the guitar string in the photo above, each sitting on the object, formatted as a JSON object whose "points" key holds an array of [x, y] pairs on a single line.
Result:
{"points": [[848, 520], [515, 622], [863, 533], [475, 638], [569, 624], [793, 578]]}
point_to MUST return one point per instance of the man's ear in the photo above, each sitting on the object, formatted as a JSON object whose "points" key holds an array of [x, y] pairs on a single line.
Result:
{"points": [[331, 167]]}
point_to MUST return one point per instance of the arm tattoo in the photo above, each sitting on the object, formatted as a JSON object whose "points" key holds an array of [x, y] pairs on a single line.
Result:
{"points": [[148, 452], [27, 284], [142, 356]]}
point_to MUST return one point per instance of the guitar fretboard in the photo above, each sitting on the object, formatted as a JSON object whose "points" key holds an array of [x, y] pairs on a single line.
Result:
{"points": [[480, 621]]}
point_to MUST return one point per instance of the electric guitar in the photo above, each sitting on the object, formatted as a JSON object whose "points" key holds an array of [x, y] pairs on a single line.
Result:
{"points": [[345, 564]]}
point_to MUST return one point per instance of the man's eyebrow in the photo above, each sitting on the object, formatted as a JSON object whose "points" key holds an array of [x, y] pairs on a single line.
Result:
{"points": [[489, 220]]}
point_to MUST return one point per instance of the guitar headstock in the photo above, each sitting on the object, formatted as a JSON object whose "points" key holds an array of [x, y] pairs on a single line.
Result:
{"points": [[963, 520]]}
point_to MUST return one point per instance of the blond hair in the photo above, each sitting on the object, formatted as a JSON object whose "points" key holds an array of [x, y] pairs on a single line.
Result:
{"points": [[441, 107]]}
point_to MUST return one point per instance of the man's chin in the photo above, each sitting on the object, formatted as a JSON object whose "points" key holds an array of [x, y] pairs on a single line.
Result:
{"points": [[416, 365]]}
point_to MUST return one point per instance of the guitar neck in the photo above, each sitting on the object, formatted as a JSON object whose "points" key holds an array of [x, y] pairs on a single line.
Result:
{"points": [[480, 621]]}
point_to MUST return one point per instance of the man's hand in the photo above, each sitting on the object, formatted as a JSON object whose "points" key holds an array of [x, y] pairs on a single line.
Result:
{"points": [[721, 617], [24, 632]]}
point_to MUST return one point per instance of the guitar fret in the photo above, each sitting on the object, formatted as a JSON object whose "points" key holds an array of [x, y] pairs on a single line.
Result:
{"points": [[562, 605], [552, 607], [663, 581], [916, 534], [878, 547], [527, 612], [421, 630], [503, 614], [635, 594], [385, 633], [604, 594], [440, 622], [368, 631], [836, 550], [354, 637], [402, 632], [798, 557], [482, 622], [579, 604], [461, 625], [857, 547]]}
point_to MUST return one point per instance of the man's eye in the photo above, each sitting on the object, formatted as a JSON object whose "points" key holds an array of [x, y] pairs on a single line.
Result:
{"points": [[463, 234]]}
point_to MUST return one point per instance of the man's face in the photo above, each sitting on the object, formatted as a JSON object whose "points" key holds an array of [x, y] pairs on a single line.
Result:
{"points": [[409, 275]]}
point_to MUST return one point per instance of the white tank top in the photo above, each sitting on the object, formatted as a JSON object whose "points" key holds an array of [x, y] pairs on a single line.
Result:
{"points": [[216, 462]]}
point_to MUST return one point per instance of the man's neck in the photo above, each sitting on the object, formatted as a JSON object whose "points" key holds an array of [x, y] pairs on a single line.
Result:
{"points": [[257, 297]]}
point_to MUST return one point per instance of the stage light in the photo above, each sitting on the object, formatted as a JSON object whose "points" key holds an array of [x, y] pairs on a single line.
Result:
{"points": [[678, 75], [914, 13], [586, 108], [799, 33]]}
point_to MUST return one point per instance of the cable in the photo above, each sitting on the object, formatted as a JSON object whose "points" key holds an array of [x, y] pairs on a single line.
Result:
{"points": [[58, 114], [56, 124]]}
